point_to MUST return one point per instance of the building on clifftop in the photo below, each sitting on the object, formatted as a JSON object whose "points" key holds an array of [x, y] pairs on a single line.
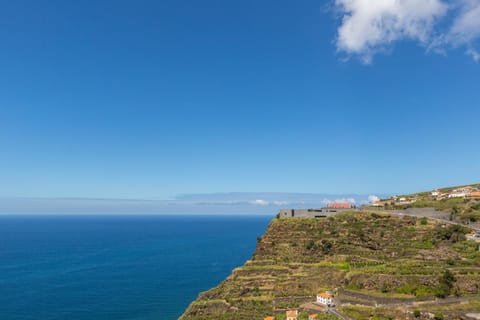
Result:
{"points": [[332, 209]]}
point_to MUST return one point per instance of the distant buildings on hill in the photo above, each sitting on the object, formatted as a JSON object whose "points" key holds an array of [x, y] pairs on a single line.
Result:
{"points": [[467, 192], [463, 192], [397, 201], [330, 210], [324, 299], [333, 208]]}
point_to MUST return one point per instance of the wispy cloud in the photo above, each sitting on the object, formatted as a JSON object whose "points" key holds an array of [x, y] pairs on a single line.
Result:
{"points": [[369, 27], [466, 26], [217, 203], [351, 200], [259, 202], [474, 54]]}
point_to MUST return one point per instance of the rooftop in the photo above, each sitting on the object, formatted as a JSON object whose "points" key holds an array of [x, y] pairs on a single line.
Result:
{"points": [[292, 313], [324, 295], [340, 205]]}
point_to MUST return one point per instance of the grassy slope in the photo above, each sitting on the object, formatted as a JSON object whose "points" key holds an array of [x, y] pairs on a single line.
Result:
{"points": [[369, 257]]}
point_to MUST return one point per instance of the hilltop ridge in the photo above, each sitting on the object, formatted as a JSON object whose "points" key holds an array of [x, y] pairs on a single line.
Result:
{"points": [[461, 203]]}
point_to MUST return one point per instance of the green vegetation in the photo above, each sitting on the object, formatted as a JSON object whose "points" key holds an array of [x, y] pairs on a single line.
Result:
{"points": [[445, 284], [438, 316], [373, 259]]}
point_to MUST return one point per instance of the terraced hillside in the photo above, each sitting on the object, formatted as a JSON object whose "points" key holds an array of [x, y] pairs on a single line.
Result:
{"points": [[382, 266]]}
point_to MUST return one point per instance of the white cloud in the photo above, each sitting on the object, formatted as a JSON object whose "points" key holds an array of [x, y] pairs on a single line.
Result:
{"points": [[326, 201], [466, 26], [474, 54], [373, 199], [349, 200], [259, 202], [280, 203], [372, 26], [369, 26]]}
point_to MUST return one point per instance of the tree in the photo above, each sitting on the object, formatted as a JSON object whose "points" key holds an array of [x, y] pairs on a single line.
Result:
{"points": [[327, 246], [445, 284]]}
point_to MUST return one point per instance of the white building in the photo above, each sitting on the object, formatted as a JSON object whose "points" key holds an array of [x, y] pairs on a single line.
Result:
{"points": [[325, 298], [460, 193]]}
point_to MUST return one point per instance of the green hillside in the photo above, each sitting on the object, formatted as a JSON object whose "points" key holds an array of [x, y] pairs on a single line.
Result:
{"points": [[380, 266]]}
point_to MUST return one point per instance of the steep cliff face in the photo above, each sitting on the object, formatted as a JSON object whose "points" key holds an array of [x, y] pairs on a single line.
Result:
{"points": [[380, 264]]}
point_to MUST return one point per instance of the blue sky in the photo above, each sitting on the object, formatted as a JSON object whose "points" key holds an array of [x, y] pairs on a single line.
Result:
{"points": [[154, 100]]}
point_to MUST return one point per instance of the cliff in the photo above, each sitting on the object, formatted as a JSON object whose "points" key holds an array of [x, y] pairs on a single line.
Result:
{"points": [[380, 266]]}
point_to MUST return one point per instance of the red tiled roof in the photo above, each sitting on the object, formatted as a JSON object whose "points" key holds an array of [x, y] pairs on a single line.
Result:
{"points": [[324, 295], [340, 205], [292, 313]]}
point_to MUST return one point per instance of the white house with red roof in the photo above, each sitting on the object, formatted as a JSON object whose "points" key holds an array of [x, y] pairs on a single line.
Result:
{"points": [[325, 298]]}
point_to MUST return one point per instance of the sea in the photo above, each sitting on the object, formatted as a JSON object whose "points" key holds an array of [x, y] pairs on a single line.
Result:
{"points": [[138, 267]]}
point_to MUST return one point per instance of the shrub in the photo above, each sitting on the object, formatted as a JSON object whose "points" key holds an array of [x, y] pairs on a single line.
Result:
{"points": [[354, 286], [438, 316], [424, 221], [417, 314], [384, 288], [327, 246], [454, 233], [406, 289], [310, 245], [424, 292]]}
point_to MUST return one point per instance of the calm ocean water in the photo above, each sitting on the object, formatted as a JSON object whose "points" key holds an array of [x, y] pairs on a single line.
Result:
{"points": [[116, 267]]}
